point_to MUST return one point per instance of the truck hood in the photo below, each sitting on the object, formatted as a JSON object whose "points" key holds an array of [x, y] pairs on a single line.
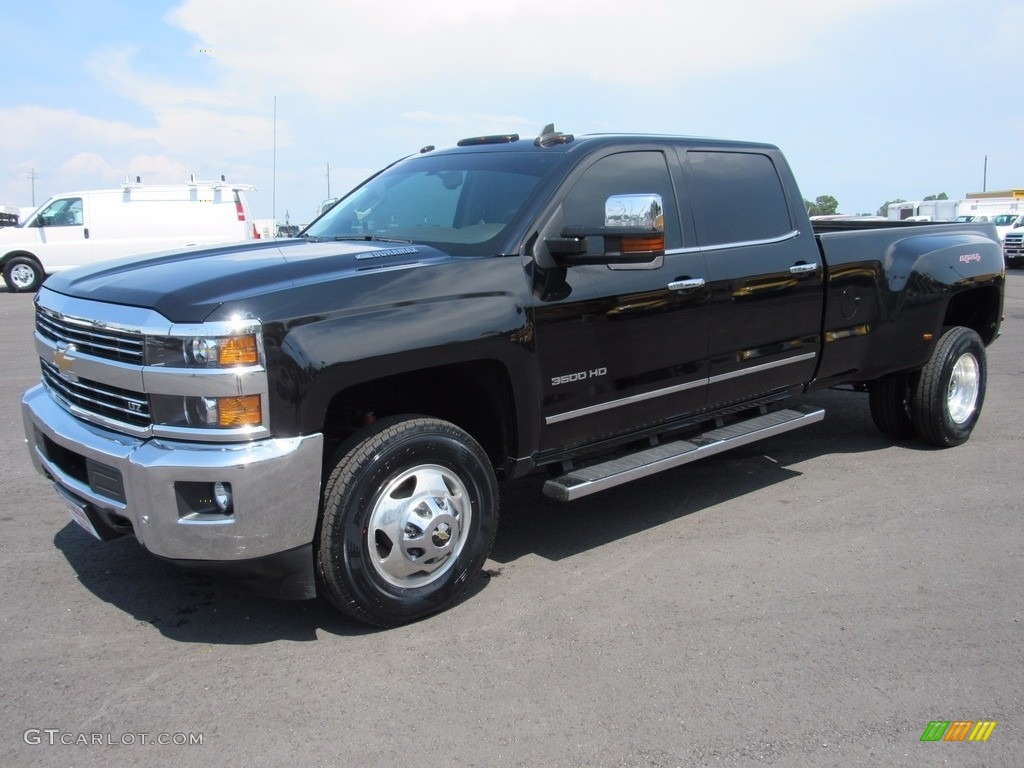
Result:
{"points": [[186, 285]]}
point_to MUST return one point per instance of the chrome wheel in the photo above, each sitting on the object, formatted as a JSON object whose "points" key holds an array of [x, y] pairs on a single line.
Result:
{"points": [[964, 384], [23, 276], [416, 528], [410, 510], [950, 388]]}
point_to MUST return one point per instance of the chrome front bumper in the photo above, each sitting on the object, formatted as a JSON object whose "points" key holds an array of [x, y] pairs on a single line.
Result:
{"points": [[275, 485]]}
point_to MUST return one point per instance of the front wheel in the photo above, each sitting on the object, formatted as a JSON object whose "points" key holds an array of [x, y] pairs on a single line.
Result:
{"points": [[950, 390], [409, 515], [22, 275]]}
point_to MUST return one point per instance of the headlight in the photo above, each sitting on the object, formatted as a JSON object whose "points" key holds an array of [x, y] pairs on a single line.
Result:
{"points": [[203, 351]]}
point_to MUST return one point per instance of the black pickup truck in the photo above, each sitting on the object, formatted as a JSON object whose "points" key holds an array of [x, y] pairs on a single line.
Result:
{"points": [[331, 413]]}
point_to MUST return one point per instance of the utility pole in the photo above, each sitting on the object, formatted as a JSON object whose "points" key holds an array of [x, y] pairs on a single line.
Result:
{"points": [[328, 181], [984, 176], [273, 194], [32, 175]]}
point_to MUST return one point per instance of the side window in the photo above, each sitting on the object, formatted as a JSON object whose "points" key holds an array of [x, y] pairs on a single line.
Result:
{"points": [[66, 212], [623, 174], [739, 196]]}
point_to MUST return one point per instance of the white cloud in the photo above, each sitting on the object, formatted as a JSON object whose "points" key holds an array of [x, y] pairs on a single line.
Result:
{"points": [[26, 127], [358, 84], [77, 151], [351, 49], [119, 69], [208, 133], [87, 164]]}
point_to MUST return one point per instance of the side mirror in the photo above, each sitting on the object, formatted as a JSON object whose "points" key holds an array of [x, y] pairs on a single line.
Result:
{"points": [[633, 232]]}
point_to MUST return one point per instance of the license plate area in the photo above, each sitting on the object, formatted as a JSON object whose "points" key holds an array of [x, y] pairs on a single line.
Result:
{"points": [[78, 512]]}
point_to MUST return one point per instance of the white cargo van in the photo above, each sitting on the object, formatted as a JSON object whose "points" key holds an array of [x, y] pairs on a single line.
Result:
{"points": [[78, 228]]}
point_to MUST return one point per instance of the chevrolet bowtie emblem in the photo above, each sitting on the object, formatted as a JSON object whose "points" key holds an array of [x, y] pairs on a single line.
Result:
{"points": [[63, 356]]}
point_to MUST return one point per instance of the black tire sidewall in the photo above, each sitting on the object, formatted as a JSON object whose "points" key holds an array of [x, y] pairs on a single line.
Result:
{"points": [[889, 401], [930, 408], [345, 565]]}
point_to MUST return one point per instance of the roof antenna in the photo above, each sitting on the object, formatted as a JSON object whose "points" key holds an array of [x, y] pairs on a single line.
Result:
{"points": [[549, 137]]}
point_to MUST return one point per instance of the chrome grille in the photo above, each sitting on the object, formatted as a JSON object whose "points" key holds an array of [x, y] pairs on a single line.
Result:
{"points": [[101, 400], [90, 337]]}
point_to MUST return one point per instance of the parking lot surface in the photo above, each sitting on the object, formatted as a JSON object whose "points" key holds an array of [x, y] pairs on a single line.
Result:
{"points": [[816, 599]]}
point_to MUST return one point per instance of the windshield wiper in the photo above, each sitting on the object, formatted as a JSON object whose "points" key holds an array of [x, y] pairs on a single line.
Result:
{"points": [[365, 238]]}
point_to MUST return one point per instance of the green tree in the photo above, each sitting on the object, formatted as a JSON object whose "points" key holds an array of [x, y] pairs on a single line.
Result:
{"points": [[884, 210], [940, 196], [823, 205]]}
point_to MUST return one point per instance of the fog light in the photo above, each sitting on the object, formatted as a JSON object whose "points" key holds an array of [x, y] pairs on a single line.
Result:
{"points": [[222, 496]]}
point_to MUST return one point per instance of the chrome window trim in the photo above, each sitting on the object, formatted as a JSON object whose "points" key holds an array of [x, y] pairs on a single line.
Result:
{"points": [[745, 243]]}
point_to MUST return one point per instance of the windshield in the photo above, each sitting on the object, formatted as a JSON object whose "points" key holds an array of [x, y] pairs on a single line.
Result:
{"points": [[457, 202], [1004, 219]]}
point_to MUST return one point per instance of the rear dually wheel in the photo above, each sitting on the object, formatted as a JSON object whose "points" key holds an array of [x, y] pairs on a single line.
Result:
{"points": [[950, 390]]}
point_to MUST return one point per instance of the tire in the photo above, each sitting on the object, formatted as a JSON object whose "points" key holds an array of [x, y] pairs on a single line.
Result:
{"points": [[890, 406], [950, 389], [410, 511], [23, 274]]}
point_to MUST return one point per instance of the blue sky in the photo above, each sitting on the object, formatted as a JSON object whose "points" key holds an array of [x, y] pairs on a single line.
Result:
{"points": [[870, 100]]}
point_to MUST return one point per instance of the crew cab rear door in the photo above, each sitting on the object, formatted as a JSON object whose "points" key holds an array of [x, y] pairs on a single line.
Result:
{"points": [[765, 275], [622, 343]]}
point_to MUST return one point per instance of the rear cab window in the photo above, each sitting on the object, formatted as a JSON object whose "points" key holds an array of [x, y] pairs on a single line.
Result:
{"points": [[737, 198]]}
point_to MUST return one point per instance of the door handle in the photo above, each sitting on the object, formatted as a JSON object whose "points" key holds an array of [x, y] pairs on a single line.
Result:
{"points": [[686, 285], [86, 231], [801, 269]]}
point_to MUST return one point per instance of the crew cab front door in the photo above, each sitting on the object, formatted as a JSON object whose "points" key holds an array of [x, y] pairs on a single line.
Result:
{"points": [[622, 346], [62, 234]]}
